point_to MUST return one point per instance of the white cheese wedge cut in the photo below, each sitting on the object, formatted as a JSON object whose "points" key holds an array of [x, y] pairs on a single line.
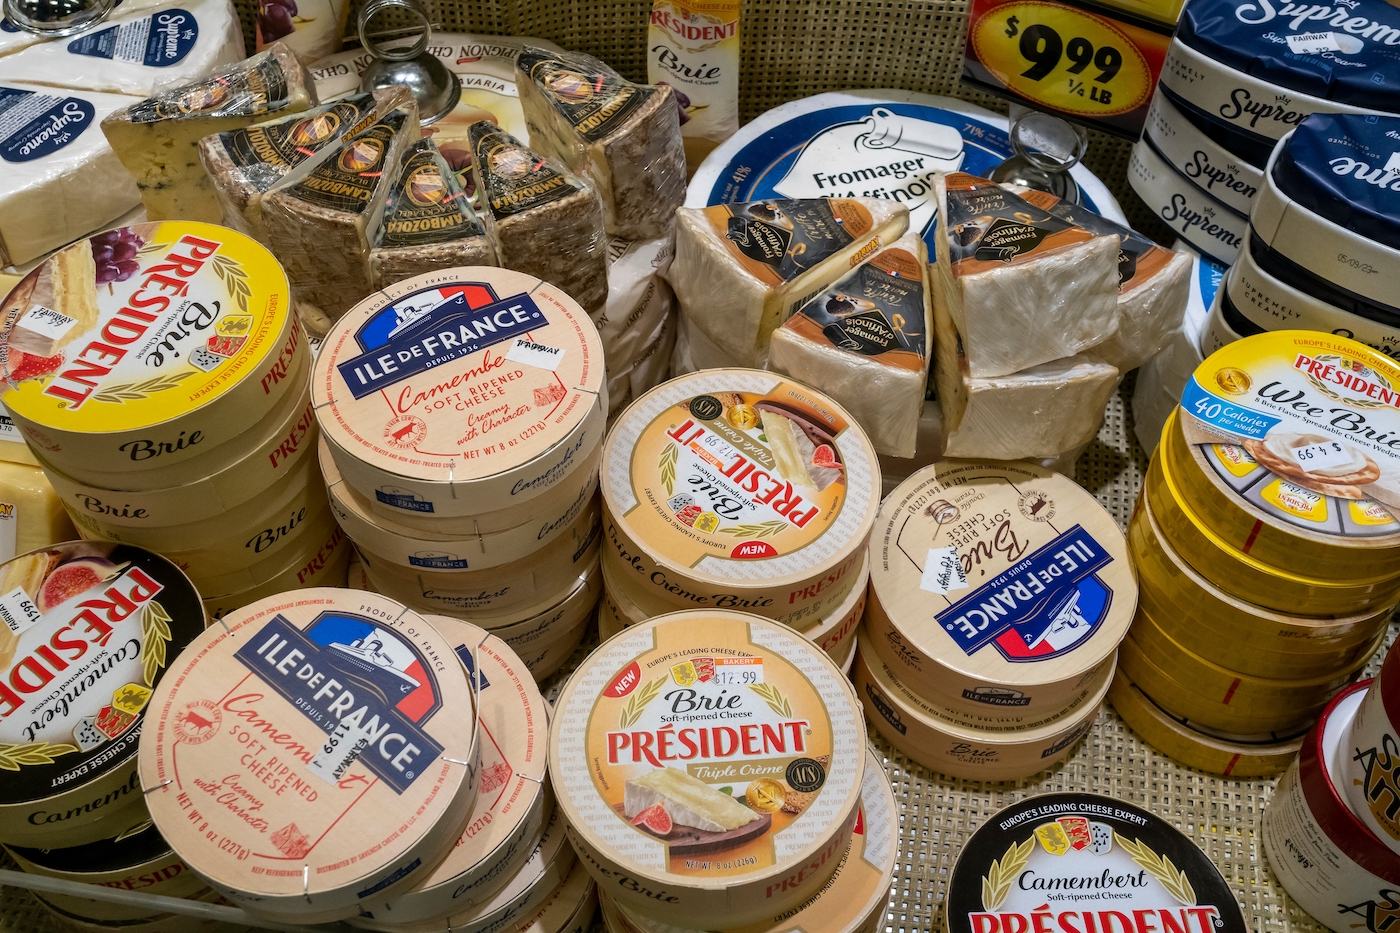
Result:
{"points": [[742, 269], [1025, 287], [864, 342], [136, 53], [157, 139], [689, 801], [429, 224], [321, 221], [13, 38], [624, 138], [245, 163], [1039, 412], [62, 180]]}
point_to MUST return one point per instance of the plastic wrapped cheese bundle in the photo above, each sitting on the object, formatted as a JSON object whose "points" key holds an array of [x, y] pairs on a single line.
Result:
{"points": [[864, 342], [321, 219], [429, 223], [648, 370], [1023, 287], [625, 138], [639, 298], [742, 269], [527, 202]]}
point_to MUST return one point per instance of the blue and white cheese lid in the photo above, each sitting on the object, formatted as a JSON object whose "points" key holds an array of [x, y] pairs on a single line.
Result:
{"points": [[1346, 168], [1344, 52]]}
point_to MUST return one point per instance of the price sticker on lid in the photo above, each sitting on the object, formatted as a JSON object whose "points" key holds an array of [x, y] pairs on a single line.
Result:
{"points": [[1322, 456]]}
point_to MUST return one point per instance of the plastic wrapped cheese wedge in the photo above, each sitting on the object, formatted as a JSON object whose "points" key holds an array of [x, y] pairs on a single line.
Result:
{"points": [[510, 807], [742, 269], [382, 721], [1038, 412], [865, 342], [245, 163], [743, 817], [1022, 286], [88, 381], [429, 223], [527, 198], [136, 53], [157, 139], [625, 138], [123, 613]]}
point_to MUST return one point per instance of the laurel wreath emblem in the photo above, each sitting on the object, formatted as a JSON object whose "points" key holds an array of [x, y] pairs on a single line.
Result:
{"points": [[1161, 868], [134, 391], [155, 635], [1326, 390], [996, 883], [667, 466], [632, 710], [756, 531], [774, 698], [15, 757]]}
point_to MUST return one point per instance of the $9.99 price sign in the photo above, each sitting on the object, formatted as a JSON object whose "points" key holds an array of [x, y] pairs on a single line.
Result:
{"points": [[1087, 63]]}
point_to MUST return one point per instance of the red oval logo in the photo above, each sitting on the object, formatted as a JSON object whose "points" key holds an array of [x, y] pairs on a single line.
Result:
{"points": [[750, 550], [625, 682]]}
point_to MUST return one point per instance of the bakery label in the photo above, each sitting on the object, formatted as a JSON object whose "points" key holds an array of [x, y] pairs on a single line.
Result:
{"points": [[156, 41], [776, 241], [596, 100], [1082, 862], [514, 179], [167, 318], [256, 87], [89, 628], [38, 125], [1302, 424]]}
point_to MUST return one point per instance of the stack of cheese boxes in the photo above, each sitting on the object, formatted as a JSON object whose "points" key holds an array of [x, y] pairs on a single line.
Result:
{"points": [[462, 416], [198, 449], [999, 593], [1235, 81], [1266, 546], [739, 490], [1334, 805], [1331, 181]]}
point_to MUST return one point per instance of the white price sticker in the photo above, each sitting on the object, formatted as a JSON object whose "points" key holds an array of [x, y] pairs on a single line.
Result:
{"points": [[8, 431], [943, 571], [18, 611], [535, 354], [1323, 456], [341, 749], [46, 322], [1310, 43]]}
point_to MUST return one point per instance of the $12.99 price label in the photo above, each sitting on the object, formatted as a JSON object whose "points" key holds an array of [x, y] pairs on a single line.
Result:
{"points": [[1094, 66]]}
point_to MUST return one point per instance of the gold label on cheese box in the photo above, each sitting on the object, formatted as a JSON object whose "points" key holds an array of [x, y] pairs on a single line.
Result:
{"points": [[141, 324]]}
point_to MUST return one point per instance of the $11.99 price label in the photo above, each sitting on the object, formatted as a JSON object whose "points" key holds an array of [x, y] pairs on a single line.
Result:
{"points": [[1093, 65]]}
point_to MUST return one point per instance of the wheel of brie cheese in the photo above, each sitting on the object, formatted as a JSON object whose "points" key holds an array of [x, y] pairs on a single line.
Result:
{"points": [[107, 620], [997, 587], [683, 813], [313, 752], [321, 561], [460, 391], [88, 382], [739, 489]]}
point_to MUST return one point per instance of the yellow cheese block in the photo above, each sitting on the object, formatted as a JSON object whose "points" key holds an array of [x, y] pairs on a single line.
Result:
{"points": [[31, 514]]}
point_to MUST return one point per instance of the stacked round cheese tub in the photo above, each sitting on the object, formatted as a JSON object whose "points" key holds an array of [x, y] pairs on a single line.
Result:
{"points": [[999, 593], [1235, 81], [1265, 545], [158, 375], [744, 490], [462, 417], [1323, 249], [728, 780]]}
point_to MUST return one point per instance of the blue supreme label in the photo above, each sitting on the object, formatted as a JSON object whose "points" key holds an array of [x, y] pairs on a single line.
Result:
{"points": [[34, 125], [348, 671], [429, 328], [157, 41], [1040, 607]]}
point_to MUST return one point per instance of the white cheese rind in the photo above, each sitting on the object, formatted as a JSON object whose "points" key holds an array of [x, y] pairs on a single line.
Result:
{"points": [[1202, 221], [1213, 168]]}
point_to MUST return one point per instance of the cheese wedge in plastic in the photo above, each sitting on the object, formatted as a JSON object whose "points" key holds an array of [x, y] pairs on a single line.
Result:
{"points": [[742, 269], [864, 342], [1024, 287]]}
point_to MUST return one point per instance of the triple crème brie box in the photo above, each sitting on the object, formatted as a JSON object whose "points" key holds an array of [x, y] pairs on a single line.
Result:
{"points": [[89, 630], [708, 764], [313, 752], [145, 346]]}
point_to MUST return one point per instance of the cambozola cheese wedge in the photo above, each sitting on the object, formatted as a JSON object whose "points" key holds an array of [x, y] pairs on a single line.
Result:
{"points": [[1037, 412], [546, 222], [625, 138], [1024, 287], [157, 139], [320, 222], [429, 223], [136, 53], [1153, 286], [742, 269], [864, 342], [62, 179], [245, 163]]}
